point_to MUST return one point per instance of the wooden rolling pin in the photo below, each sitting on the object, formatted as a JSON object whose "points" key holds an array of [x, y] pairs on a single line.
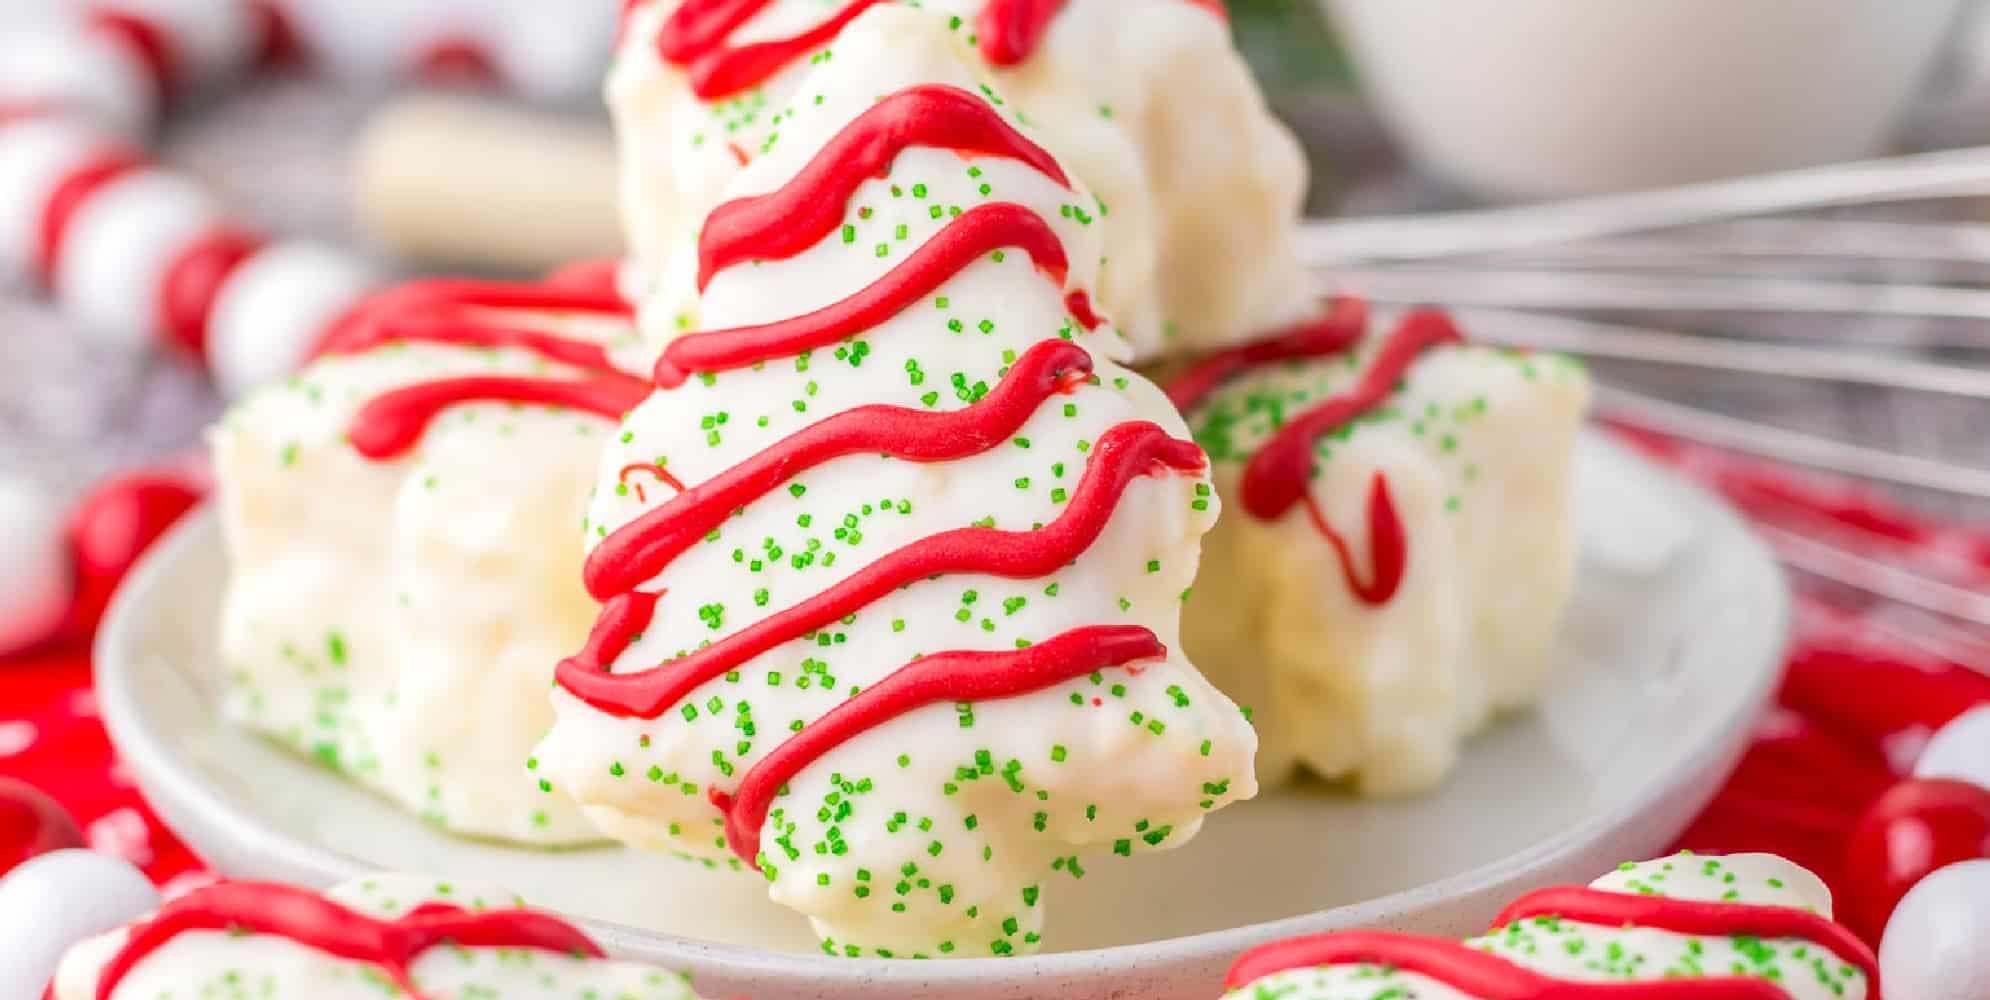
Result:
{"points": [[471, 182]]}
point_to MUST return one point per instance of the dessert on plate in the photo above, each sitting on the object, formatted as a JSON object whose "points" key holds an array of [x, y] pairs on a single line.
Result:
{"points": [[386, 935], [1194, 186], [1739, 927], [1396, 547], [892, 562], [401, 521]]}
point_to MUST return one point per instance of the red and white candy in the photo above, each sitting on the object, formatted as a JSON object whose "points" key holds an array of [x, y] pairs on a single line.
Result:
{"points": [[36, 577], [50, 903], [1918, 865]]}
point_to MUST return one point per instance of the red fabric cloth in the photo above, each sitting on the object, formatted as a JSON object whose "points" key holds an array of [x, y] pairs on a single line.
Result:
{"points": [[1862, 691]]}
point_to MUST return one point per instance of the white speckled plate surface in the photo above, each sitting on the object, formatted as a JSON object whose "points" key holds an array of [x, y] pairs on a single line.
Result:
{"points": [[1671, 648]]}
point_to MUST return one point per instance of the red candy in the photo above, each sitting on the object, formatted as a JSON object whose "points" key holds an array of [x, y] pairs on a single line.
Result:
{"points": [[31, 824], [113, 525], [1914, 829]]}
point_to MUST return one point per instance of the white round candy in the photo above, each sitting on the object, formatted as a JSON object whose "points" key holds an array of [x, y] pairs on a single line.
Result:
{"points": [[119, 245], [211, 39], [271, 311], [36, 579], [1937, 944], [87, 71], [57, 900], [1959, 751], [35, 155]]}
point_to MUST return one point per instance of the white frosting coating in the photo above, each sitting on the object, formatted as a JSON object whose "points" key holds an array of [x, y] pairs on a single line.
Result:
{"points": [[36, 581], [1934, 943], [203, 963], [118, 247], [88, 71], [1476, 449], [1960, 750], [35, 155], [274, 307], [1569, 950], [948, 822], [400, 619], [211, 40], [1196, 186], [56, 900]]}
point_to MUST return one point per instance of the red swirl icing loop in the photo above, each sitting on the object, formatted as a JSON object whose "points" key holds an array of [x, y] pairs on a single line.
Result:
{"points": [[978, 231], [308, 919], [783, 223], [1490, 977], [466, 314], [1280, 473]]}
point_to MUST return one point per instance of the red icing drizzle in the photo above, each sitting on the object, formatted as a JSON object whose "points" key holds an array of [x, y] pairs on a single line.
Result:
{"points": [[1484, 975], [694, 37], [1389, 545], [68, 195], [978, 231], [646, 545], [1278, 475], [783, 223], [1009, 31], [1131, 449], [322, 925], [458, 313], [194, 278], [941, 678]]}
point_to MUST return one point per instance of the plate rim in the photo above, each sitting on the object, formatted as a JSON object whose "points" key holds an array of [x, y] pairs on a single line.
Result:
{"points": [[170, 784]]}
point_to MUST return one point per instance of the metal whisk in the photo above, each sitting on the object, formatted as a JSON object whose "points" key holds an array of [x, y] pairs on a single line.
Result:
{"points": [[1847, 295]]}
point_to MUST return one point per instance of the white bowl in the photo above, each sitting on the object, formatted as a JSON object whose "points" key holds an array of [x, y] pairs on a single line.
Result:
{"points": [[1547, 98], [1673, 644]]}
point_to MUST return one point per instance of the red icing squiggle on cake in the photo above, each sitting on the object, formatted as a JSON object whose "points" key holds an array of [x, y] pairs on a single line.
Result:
{"points": [[942, 678], [783, 223], [1279, 474], [322, 925], [1009, 31], [696, 37], [646, 545], [1490, 977], [981, 230], [464, 314], [1125, 452]]}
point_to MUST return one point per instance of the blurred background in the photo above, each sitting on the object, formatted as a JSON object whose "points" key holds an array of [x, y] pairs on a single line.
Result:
{"points": [[417, 136]]}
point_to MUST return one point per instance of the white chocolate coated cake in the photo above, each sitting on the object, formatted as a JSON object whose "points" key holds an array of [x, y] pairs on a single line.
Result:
{"points": [[402, 522], [1396, 549], [893, 560], [1194, 186]]}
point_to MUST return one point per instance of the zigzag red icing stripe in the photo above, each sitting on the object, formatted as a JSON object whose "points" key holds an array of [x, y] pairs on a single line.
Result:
{"points": [[448, 312], [696, 37], [1279, 474], [1490, 977], [298, 915], [978, 231], [785, 222]]}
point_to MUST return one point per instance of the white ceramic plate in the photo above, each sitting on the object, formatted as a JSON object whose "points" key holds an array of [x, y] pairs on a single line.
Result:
{"points": [[1671, 647]]}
